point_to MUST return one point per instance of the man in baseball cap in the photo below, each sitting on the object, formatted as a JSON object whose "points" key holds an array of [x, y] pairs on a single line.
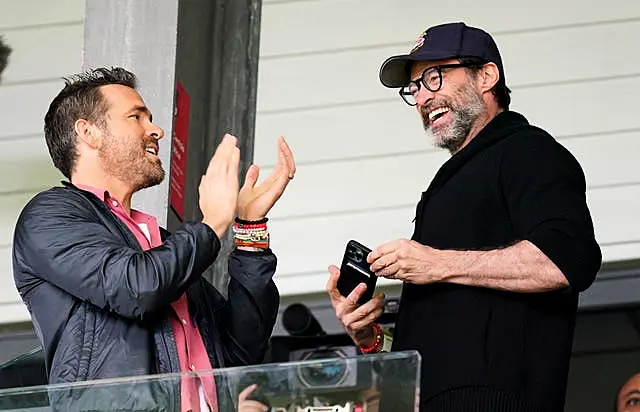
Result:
{"points": [[445, 41], [502, 246], [443, 52]]}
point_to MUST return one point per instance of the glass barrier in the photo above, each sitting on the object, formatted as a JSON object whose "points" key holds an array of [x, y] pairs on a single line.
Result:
{"points": [[27, 369], [369, 383]]}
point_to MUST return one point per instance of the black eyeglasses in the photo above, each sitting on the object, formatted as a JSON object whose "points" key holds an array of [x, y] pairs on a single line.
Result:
{"points": [[431, 79]]}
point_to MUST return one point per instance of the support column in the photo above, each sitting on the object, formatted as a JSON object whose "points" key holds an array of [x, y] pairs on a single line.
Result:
{"points": [[139, 35], [235, 35]]}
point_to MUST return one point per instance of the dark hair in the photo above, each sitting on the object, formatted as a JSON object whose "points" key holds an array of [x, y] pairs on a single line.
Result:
{"points": [[80, 98], [500, 90], [5, 51]]}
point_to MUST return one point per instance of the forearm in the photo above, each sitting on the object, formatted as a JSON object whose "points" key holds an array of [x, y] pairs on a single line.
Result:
{"points": [[94, 265], [248, 326], [521, 267], [167, 271], [252, 307]]}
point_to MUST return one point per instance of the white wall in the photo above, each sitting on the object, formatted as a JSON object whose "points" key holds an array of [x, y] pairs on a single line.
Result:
{"points": [[47, 40], [362, 156]]}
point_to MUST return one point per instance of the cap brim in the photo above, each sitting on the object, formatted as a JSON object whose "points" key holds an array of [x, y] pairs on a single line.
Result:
{"points": [[394, 72]]}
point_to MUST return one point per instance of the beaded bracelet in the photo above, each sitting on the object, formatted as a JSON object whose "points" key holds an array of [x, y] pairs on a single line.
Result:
{"points": [[383, 341], [376, 345]]}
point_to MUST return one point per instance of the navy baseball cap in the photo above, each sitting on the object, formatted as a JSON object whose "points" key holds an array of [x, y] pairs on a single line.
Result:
{"points": [[445, 41]]}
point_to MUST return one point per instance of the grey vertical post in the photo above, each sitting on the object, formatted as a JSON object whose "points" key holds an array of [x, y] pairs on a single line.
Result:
{"points": [[235, 82], [139, 35], [221, 80]]}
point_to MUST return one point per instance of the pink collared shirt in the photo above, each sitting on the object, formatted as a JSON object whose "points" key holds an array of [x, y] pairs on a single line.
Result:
{"points": [[192, 353]]}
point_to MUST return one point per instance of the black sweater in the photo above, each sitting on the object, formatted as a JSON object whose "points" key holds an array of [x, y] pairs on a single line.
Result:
{"points": [[490, 350]]}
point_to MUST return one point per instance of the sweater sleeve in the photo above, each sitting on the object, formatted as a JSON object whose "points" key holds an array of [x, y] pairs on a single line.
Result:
{"points": [[545, 192]]}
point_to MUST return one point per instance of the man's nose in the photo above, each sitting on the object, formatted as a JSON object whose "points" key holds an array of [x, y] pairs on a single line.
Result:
{"points": [[424, 96], [156, 132]]}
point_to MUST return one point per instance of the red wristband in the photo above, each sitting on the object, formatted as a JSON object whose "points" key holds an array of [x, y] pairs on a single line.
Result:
{"points": [[376, 343]]}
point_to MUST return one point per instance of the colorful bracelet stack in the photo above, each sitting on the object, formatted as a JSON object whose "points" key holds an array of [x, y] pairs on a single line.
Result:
{"points": [[251, 233]]}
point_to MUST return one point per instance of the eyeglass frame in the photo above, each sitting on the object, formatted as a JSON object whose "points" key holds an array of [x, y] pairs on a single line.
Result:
{"points": [[438, 69]]}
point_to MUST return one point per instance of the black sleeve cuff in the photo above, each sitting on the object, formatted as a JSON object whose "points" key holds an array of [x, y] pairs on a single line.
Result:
{"points": [[577, 258]]}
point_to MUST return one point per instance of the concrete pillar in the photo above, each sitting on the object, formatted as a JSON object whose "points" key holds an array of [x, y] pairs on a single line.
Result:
{"points": [[139, 35]]}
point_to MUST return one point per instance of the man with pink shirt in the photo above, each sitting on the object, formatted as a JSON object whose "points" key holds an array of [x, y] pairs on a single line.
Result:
{"points": [[111, 294]]}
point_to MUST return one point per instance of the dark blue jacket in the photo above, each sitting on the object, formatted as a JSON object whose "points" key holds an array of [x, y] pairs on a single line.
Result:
{"points": [[100, 305]]}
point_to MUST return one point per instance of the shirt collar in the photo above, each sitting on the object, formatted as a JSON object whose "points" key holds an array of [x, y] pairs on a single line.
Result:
{"points": [[101, 194], [104, 195]]}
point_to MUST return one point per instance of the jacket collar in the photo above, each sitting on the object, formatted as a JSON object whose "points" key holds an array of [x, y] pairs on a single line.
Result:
{"points": [[101, 194], [499, 128], [496, 130]]}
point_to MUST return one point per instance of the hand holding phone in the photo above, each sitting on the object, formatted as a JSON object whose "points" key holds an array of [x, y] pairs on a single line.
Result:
{"points": [[355, 270], [356, 317]]}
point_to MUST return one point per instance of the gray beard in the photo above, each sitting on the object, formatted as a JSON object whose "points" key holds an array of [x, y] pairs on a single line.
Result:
{"points": [[466, 111]]}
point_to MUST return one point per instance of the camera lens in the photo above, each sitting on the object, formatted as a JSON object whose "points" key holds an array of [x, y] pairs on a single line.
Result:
{"points": [[323, 373], [352, 253]]}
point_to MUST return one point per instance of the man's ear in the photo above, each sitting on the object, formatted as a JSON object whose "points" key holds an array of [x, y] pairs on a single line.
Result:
{"points": [[489, 76], [87, 133]]}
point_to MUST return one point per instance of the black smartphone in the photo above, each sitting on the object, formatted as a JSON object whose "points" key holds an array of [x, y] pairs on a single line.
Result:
{"points": [[355, 270]]}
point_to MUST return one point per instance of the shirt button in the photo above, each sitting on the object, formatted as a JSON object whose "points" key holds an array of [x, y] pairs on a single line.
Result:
{"points": [[114, 203], [184, 321], [193, 367]]}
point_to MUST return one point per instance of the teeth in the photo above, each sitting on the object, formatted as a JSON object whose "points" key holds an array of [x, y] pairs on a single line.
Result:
{"points": [[437, 112], [151, 150]]}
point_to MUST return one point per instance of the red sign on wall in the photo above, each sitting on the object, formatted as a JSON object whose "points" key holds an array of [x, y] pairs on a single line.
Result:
{"points": [[178, 175]]}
